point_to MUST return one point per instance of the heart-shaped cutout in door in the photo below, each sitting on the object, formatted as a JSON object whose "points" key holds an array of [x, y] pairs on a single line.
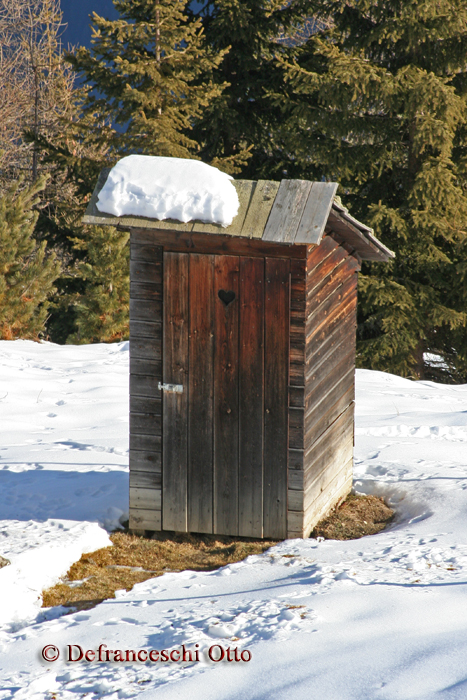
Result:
{"points": [[226, 297]]}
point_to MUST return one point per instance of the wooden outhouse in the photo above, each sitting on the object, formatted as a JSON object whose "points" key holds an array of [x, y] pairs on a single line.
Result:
{"points": [[242, 362]]}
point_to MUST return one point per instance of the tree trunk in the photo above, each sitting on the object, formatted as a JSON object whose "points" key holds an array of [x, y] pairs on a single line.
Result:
{"points": [[419, 364]]}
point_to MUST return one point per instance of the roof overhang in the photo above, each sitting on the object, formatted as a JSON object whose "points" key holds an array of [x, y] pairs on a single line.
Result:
{"points": [[290, 212]]}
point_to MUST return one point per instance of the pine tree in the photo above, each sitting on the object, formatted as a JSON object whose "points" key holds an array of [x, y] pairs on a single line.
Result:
{"points": [[151, 71], [243, 122], [27, 269], [102, 312], [377, 100], [92, 300], [148, 77]]}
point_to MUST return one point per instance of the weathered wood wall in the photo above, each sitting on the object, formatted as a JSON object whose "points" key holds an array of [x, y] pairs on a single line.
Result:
{"points": [[145, 373], [321, 394], [319, 317]]}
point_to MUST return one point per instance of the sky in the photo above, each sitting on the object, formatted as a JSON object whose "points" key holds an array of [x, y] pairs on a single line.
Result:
{"points": [[76, 16]]}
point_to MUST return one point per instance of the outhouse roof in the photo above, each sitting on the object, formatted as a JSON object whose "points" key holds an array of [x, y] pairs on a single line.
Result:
{"points": [[289, 212]]}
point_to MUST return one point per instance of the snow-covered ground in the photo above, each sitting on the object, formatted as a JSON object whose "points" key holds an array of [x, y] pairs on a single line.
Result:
{"points": [[380, 618]]}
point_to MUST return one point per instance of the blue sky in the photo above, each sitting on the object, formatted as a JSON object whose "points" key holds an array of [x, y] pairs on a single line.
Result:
{"points": [[76, 15]]}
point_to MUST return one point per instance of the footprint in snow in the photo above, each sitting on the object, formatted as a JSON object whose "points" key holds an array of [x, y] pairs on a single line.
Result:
{"points": [[260, 620], [376, 470], [132, 621]]}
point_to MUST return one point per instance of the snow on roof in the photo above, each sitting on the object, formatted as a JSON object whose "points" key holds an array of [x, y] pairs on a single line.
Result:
{"points": [[169, 188]]}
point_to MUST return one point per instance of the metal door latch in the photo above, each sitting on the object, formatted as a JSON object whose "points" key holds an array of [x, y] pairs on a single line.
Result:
{"points": [[173, 388]]}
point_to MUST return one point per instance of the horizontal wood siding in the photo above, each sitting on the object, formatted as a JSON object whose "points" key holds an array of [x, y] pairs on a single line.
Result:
{"points": [[145, 373], [295, 494], [329, 368], [337, 490], [141, 519]]}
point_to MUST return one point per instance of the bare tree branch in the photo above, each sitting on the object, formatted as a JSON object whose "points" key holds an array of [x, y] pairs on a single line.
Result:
{"points": [[36, 86]]}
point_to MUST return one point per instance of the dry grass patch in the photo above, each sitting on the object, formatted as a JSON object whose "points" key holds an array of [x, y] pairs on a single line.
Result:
{"points": [[96, 576], [356, 517]]}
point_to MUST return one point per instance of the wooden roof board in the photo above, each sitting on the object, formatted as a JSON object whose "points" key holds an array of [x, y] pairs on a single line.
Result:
{"points": [[344, 212], [316, 213], [245, 190], [260, 207], [364, 242], [287, 211]]}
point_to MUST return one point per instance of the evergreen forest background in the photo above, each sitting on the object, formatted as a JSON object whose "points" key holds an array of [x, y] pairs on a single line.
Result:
{"points": [[369, 93]]}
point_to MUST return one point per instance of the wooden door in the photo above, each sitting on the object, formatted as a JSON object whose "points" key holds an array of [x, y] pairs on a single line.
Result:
{"points": [[225, 430]]}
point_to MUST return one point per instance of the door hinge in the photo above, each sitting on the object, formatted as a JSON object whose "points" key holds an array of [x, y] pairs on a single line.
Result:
{"points": [[173, 388]]}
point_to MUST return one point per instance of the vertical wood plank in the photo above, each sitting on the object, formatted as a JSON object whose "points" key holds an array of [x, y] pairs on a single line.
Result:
{"points": [[276, 353], [200, 379], [226, 277], [251, 397], [175, 405]]}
